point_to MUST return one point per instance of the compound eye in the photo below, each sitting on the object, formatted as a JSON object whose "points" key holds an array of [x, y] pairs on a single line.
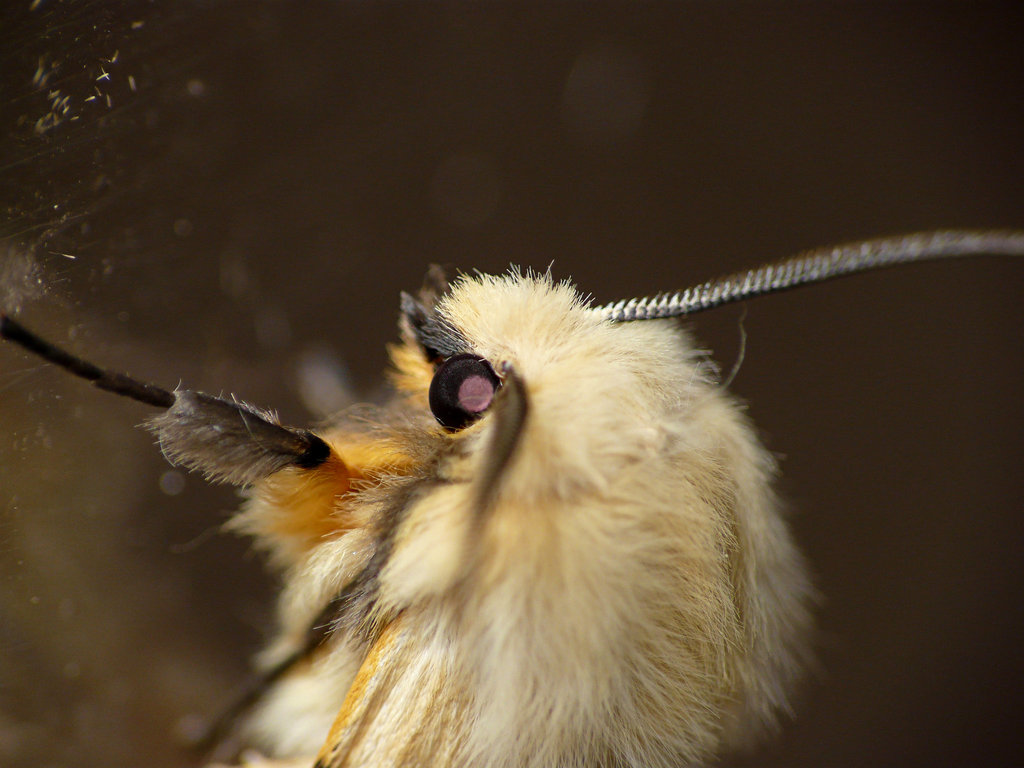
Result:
{"points": [[462, 389]]}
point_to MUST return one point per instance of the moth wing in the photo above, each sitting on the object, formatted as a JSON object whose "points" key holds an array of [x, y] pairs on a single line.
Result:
{"points": [[403, 708]]}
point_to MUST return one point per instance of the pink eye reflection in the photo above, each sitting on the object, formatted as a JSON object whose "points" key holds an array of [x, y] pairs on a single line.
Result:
{"points": [[475, 394]]}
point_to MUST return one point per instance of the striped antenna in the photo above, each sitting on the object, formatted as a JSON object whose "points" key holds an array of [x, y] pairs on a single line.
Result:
{"points": [[816, 266], [112, 381]]}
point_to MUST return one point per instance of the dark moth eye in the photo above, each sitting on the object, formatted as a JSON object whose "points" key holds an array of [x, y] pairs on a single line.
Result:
{"points": [[462, 389]]}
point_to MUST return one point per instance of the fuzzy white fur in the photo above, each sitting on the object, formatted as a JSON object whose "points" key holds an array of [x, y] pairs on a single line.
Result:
{"points": [[632, 598]]}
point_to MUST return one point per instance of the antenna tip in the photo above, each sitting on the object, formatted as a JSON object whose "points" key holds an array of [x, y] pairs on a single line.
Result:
{"points": [[12, 330], [7, 325]]}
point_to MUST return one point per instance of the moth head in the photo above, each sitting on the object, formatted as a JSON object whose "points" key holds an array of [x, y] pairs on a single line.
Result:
{"points": [[569, 362]]}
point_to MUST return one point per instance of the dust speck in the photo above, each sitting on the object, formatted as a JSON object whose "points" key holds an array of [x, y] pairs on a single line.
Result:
{"points": [[172, 482]]}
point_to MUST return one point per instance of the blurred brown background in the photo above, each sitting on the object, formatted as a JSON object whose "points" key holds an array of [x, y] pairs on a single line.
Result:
{"points": [[233, 194]]}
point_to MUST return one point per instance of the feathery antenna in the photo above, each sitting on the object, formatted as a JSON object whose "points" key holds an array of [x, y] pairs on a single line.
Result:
{"points": [[816, 266], [227, 440]]}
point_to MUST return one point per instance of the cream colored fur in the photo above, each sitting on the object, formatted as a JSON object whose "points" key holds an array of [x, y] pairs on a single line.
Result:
{"points": [[631, 598]]}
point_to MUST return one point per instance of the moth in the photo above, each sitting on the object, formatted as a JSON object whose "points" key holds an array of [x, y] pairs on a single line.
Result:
{"points": [[558, 543]]}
